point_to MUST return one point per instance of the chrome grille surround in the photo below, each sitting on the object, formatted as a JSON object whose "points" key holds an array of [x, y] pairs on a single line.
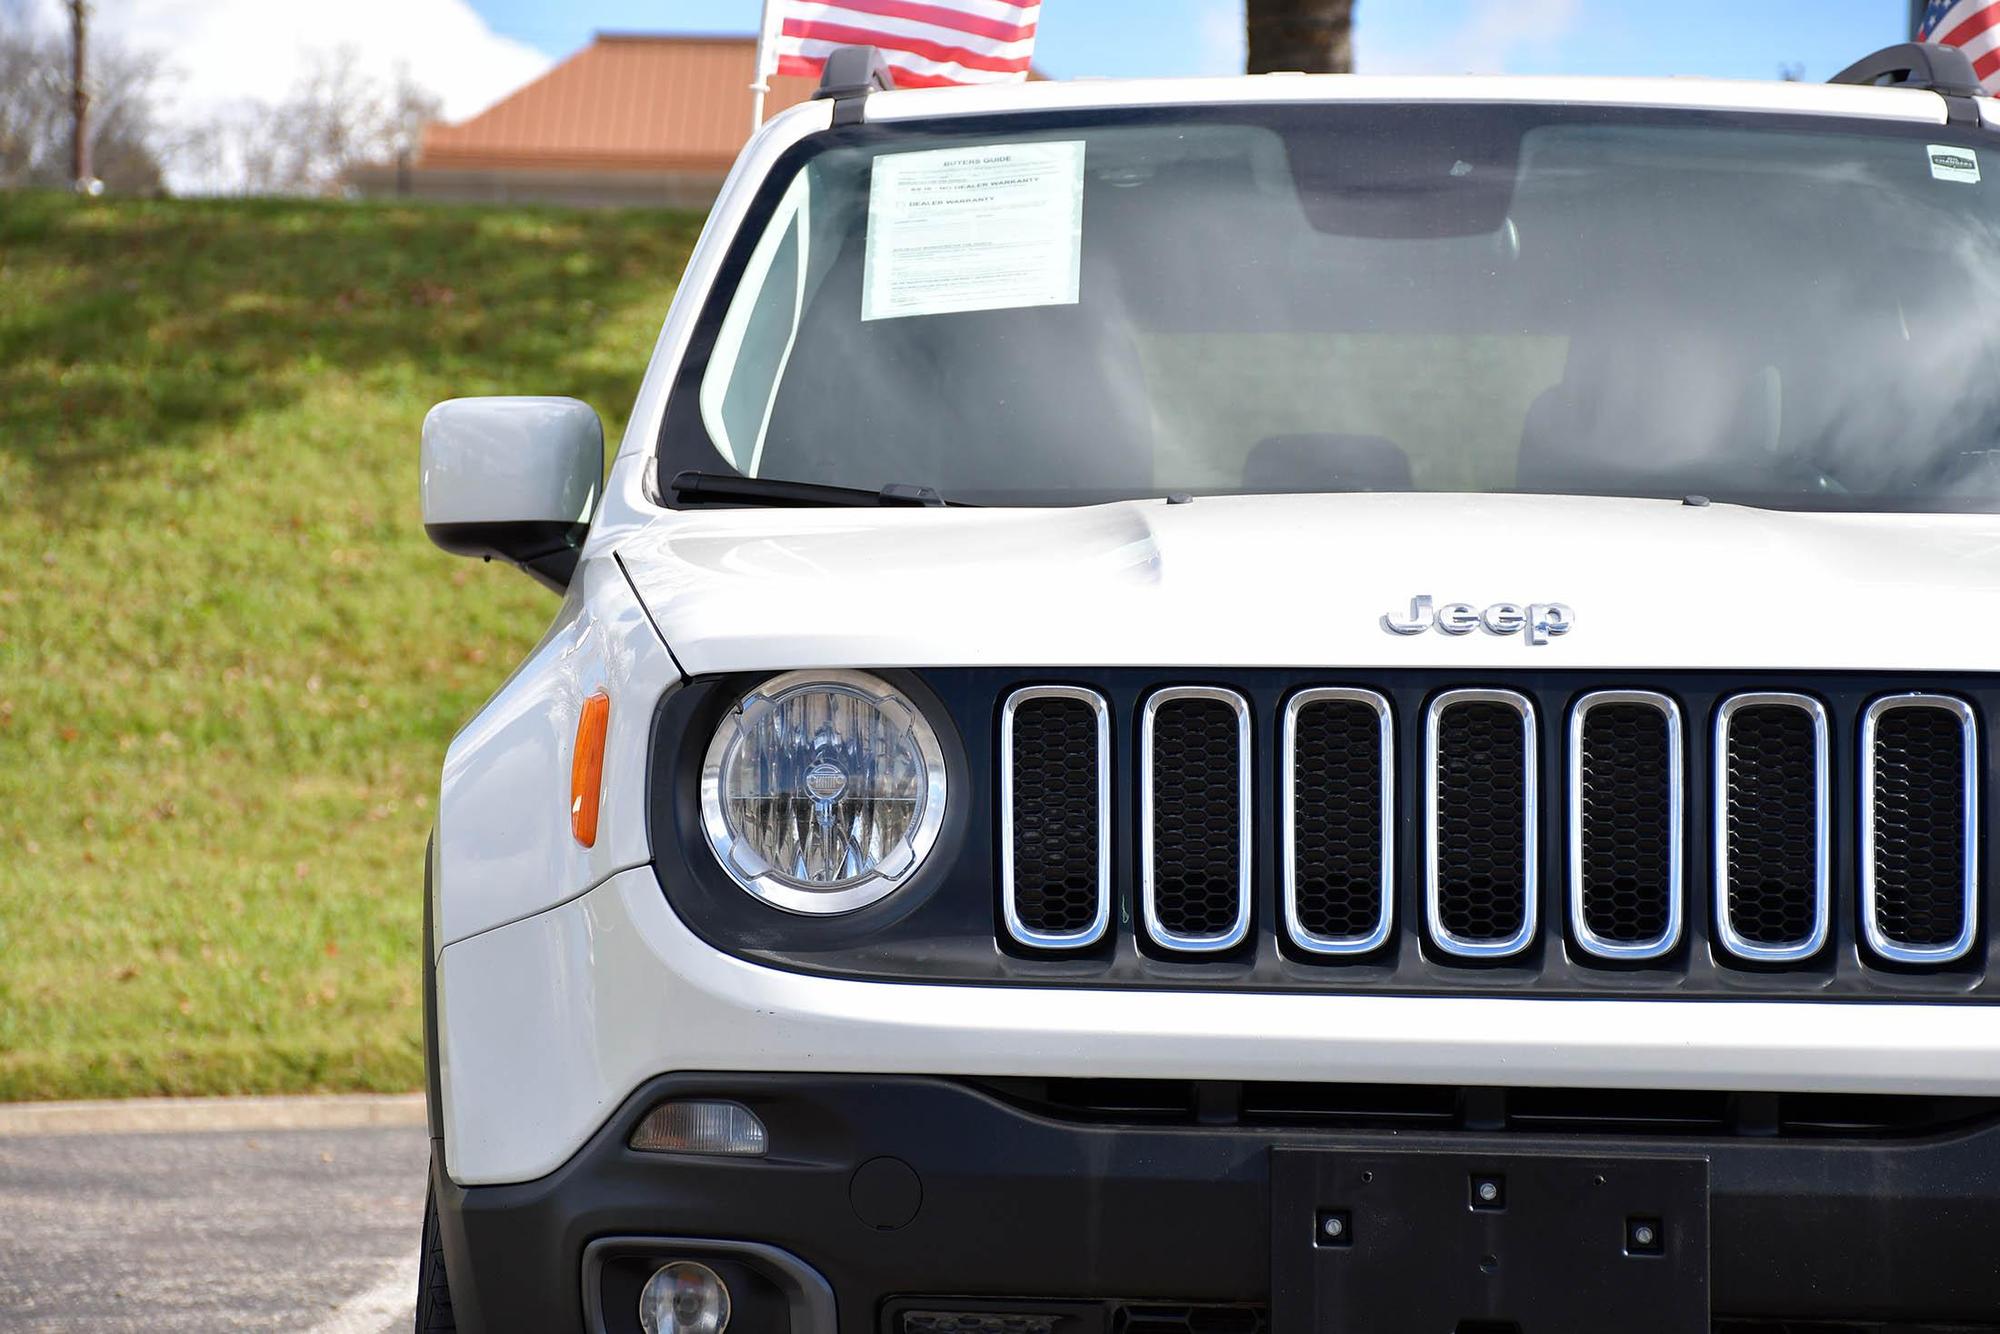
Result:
{"points": [[1878, 940], [1018, 929], [1385, 923], [1245, 805], [1587, 939], [1726, 933], [1531, 818]]}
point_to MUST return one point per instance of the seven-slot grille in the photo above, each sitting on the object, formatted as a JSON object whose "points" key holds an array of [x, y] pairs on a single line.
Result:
{"points": [[1626, 772]]}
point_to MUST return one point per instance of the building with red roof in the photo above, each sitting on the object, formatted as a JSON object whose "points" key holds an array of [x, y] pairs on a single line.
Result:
{"points": [[632, 119]]}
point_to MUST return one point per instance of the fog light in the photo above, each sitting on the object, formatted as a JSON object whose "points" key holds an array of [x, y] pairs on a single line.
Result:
{"points": [[726, 1128], [684, 1298]]}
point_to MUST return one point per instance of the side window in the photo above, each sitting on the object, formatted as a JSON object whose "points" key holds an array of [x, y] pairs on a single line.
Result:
{"points": [[757, 334]]}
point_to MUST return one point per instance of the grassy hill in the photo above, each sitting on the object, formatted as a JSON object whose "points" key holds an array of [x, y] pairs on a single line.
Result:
{"points": [[229, 661]]}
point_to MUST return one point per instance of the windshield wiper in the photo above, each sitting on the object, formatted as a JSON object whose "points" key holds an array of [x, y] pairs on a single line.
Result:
{"points": [[715, 488]]}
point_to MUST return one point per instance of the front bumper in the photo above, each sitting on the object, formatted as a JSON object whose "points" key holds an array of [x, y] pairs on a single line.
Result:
{"points": [[887, 1187], [548, 1023]]}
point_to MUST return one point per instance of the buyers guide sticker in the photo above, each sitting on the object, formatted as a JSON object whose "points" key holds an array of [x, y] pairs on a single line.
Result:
{"points": [[959, 229], [1954, 164]]}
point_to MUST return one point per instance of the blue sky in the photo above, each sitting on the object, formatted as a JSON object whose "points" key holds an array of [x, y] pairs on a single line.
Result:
{"points": [[1718, 38]]}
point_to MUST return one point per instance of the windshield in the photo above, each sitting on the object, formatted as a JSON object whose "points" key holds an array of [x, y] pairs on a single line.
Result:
{"points": [[1064, 309]]}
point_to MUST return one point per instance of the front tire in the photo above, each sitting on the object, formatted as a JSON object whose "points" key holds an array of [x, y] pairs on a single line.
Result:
{"points": [[433, 1287]]}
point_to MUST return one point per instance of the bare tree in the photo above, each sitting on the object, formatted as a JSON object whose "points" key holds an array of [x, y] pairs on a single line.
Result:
{"points": [[336, 117], [1312, 36], [80, 173], [36, 113]]}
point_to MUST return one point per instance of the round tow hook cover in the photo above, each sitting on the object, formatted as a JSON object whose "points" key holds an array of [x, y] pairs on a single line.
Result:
{"points": [[886, 1193]]}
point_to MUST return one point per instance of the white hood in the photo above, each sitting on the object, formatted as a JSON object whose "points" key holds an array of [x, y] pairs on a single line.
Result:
{"points": [[1299, 581]]}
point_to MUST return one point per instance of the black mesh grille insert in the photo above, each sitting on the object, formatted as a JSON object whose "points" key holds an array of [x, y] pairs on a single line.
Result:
{"points": [[1625, 828], [978, 1322], [1481, 833], [1337, 794], [1196, 814], [1055, 810], [1920, 837], [1771, 803]]}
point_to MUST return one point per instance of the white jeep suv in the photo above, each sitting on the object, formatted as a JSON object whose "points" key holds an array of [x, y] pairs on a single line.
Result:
{"points": [[1295, 703]]}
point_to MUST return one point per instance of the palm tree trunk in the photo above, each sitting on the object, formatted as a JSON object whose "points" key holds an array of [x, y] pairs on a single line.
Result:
{"points": [[1313, 36]]}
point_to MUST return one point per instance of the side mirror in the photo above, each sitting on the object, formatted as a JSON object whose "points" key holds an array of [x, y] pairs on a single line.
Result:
{"points": [[513, 479]]}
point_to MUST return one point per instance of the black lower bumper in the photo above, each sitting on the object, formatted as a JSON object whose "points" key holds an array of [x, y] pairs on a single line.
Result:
{"points": [[899, 1187]]}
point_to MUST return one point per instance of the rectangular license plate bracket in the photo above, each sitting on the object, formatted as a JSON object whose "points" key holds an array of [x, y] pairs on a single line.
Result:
{"points": [[1487, 1243]]}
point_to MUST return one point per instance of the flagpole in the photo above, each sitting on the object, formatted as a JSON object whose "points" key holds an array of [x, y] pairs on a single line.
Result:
{"points": [[1917, 8], [763, 83]]}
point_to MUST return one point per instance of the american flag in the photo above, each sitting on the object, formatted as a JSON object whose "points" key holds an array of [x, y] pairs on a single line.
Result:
{"points": [[1971, 24], [927, 43]]}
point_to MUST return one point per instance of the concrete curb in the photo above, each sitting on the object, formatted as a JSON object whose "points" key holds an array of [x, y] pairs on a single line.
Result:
{"points": [[155, 1116]]}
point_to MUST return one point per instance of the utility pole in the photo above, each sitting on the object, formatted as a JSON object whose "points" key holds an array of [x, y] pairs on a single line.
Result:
{"points": [[79, 90]]}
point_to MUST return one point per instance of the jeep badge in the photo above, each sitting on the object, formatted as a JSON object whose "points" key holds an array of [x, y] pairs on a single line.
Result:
{"points": [[1538, 621]]}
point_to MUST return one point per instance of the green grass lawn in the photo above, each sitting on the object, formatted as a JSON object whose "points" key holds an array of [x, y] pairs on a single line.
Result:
{"points": [[229, 660]]}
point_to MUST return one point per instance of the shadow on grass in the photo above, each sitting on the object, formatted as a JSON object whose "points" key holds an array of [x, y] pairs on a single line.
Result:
{"points": [[146, 326]]}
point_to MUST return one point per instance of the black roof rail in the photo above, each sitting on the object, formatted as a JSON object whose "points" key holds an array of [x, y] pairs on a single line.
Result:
{"points": [[1945, 70], [850, 74]]}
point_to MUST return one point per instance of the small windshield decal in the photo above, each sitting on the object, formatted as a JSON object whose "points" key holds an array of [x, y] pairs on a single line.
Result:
{"points": [[1954, 164], [998, 227]]}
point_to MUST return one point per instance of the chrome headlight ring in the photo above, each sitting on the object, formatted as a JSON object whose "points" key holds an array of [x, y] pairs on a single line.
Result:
{"points": [[751, 867]]}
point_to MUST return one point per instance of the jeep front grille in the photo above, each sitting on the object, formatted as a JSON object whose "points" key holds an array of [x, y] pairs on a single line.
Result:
{"points": [[1055, 794], [1522, 831], [1920, 814], [1772, 827], [1625, 777], [1479, 779], [1194, 861]]}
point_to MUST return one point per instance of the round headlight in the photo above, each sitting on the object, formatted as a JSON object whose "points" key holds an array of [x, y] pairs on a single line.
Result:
{"points": [[823, 791]]}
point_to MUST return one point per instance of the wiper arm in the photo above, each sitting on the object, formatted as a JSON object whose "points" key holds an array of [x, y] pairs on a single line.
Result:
{"points": [[715, 488]]}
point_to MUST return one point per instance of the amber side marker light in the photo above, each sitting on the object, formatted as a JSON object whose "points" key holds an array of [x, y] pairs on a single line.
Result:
{"points": [[586, 768]]}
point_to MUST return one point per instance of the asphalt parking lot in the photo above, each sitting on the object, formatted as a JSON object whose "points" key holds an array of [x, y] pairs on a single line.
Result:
{"points": [[311, 1230]]}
